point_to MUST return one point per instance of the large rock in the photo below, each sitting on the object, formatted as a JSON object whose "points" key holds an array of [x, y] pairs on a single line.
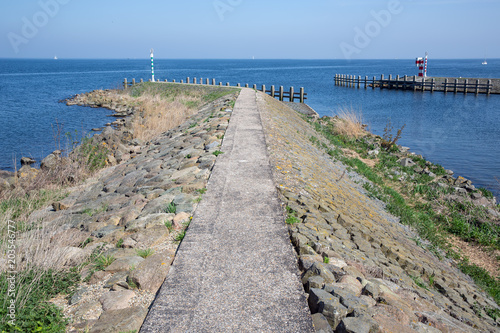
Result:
{"points": [[124, 264], [50, 162], [116, 300], [148, 221], [150, 274], [322, 302], [125, 320]]}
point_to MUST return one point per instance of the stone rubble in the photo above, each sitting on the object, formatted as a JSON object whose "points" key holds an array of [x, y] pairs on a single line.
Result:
{"points": [[125, 209], [359, 265]]}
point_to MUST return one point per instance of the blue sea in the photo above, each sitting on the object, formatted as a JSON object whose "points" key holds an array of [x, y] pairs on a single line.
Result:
{"points": [[460, 132]]}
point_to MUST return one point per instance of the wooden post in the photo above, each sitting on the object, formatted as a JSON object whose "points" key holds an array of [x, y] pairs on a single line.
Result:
{"points": [[366, 81], [455, 88], [142, 80], [272, 91], [246, 85], [227, 84], [149, 80], [373, 82], [125, 83], [477, 87], [195, 81], [423, 83], [182, 81], [397, 82], [166, 80], [238, 85], [359, 80], [208, 82], [281, 93], [414, 83], [133, 82], [172, 80], [291, 94], [389, 82], [465, 86], [488, 87], [405, 78], [301, 94], [220, 84], [188, 80], [213, 82], [254, 87], [201, 80], [382, 81], [445, 85], [433, 83], [263, 88]]}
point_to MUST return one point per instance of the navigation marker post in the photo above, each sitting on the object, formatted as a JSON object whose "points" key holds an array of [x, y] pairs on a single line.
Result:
{"points": [[152, 67]]}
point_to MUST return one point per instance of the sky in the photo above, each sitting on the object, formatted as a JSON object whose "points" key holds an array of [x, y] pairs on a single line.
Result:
{"points": [[242, 29]]}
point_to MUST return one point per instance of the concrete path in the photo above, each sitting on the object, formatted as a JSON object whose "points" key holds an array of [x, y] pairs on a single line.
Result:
{"points": [[235, 270]]}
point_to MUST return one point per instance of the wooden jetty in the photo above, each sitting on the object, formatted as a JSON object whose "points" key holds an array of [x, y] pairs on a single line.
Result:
{"points": [[277, 92], [416, 83]]}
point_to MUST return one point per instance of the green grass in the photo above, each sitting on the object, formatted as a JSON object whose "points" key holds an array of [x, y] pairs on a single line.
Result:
{"points": [[217, 152], [119, 244], [180, 236], [169, 225], [144, 253], [171, 208], [103, 261], [463, 220], [291, 216], [33, 289]]}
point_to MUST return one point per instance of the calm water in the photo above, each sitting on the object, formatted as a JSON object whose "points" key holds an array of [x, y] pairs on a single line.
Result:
{"points": [[460, 132]]}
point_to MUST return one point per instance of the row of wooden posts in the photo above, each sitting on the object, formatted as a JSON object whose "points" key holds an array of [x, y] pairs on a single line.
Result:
{"points": [[414, 83], [280, 93]]}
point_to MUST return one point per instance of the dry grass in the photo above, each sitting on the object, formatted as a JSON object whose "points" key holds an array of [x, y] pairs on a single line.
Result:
{"points": [[159, 115], [349, 123]]}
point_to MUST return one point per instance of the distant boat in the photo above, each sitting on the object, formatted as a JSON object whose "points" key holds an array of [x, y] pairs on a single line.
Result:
{"points": [[484, 62], [55, 57]]}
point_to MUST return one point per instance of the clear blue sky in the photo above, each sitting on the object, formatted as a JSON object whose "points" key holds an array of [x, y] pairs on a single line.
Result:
{"points": [[292, 29]]}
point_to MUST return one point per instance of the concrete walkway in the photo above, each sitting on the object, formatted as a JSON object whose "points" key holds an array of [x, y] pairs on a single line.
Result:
{"points": [[235, 270]]}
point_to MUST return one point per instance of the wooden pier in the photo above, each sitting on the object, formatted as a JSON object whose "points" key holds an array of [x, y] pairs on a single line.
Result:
{"points": [[277, 92], [415, 83]]}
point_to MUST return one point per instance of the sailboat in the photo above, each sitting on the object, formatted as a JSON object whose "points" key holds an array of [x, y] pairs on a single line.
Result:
{"points": [[484, 62], [55, 57]]}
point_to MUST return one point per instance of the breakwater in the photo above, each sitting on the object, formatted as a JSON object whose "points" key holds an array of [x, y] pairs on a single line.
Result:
{"points": [[416, 83], [362, 269], [279, 92]]}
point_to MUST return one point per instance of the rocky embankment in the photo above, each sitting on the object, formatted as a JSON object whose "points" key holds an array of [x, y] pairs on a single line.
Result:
{"points": [[361, 267], [123, 225]]}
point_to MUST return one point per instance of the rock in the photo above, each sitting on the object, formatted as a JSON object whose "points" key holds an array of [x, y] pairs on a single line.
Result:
{"points": [[352, 283], [116, 300], [320, 323], [107, 230], [181, 218], [407, 162], [150, 274], [27, 161], [476, 195], [314, 282], [148, 221], [50, 162], [78, 295], [116, 278], [374, 152], [126, 320], [322, 302], [124, 264], [128, 243], [357, 325]]}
